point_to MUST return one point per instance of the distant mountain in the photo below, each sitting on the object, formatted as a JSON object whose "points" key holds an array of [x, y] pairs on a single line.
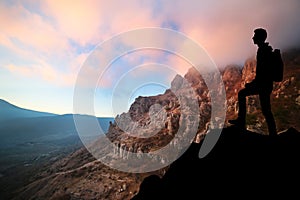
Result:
{"points": [[10, 111], [43, 129], [24, 125], [29, 139]]}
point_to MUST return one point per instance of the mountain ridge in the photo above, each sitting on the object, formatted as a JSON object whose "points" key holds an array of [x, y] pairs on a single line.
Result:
{"points": [[11, 111], [31, 140]]}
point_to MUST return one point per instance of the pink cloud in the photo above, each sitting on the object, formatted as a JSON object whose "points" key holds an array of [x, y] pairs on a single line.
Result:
{"points": [[223, 28], [45, 72], [93, 20], [77, 20], [30, 29]]}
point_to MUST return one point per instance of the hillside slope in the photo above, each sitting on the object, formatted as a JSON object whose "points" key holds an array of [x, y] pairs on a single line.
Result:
{"points": [[31, 141], [10, 111]]}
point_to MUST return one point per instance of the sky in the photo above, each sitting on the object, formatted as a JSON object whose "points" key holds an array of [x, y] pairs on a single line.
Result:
{"points": [[45, 44]]}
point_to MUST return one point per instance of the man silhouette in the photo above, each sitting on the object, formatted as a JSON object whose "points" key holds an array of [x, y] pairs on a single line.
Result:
{"points": [[262, 85]]}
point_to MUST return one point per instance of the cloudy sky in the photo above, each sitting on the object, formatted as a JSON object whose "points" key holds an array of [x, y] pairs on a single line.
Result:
{"points": [[44, 44]]}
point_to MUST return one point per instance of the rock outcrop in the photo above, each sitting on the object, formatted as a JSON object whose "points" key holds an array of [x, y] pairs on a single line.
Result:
{"points": [[240, 164], [234, 79]]}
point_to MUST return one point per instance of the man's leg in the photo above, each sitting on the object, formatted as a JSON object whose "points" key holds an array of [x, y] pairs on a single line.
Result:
{"points": [[242, 105], [265, 103]]}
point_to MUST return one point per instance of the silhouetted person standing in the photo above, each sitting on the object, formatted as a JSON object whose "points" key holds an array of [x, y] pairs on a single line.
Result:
{"points": [[262, 85]]}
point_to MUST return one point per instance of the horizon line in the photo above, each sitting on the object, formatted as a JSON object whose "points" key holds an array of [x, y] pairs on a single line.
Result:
{"points": [[53, 113]]}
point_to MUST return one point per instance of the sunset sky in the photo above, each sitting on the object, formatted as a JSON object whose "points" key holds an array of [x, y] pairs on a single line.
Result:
{"points": [[43, 44]]}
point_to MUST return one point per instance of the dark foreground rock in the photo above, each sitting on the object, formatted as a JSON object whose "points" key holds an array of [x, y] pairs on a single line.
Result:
{"points": [[241, 165]]}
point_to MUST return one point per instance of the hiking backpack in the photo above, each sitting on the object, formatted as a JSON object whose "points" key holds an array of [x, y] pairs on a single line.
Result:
{"points": [[277, 65]]}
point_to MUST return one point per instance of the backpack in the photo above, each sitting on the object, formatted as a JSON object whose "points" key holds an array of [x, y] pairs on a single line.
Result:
{"points": [[277, 66]]}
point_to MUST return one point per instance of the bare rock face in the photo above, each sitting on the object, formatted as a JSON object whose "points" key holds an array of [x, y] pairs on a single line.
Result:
{"points": [[176, 83], [298, 100], [234, 79], [232, 76], [249, 70], [161, 116]]}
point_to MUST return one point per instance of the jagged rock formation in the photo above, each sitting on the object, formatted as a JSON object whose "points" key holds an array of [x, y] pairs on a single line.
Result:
{"points": [[234, 78]]}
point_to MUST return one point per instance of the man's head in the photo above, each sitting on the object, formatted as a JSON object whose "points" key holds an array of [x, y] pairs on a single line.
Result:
{"points": [[260, 36]]}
